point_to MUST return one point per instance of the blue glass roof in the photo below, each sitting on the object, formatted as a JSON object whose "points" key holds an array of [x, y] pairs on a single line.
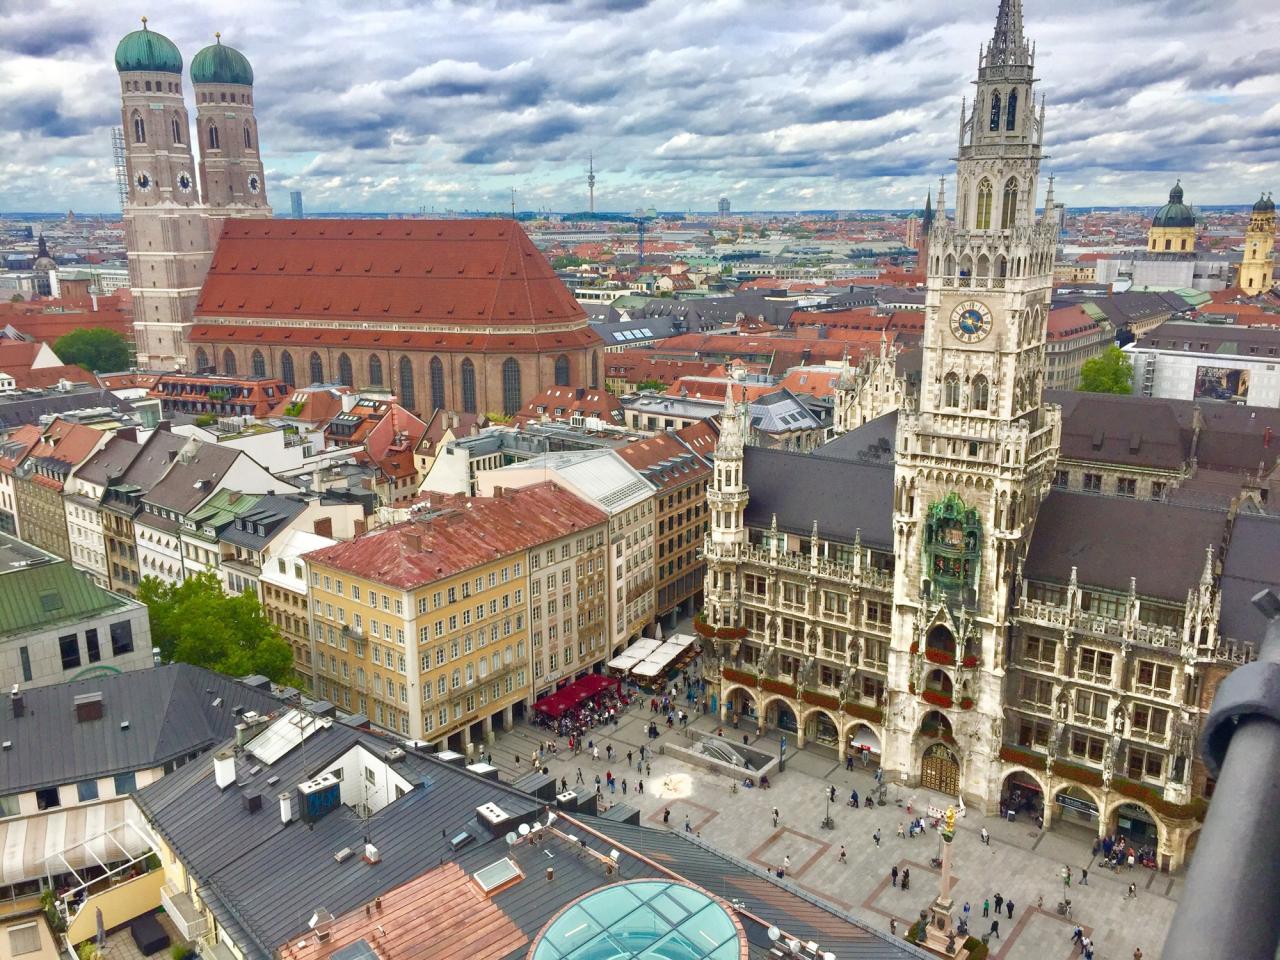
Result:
{"points": [[642, 920]]}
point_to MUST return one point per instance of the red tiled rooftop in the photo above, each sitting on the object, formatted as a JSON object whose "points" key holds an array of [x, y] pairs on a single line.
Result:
{"points": [[455, 533], [303, 338], [429, 272], [560, 402]]}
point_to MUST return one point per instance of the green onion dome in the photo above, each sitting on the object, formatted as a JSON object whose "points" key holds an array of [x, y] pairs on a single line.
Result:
{"points": [[221, 64], [147, 50]]}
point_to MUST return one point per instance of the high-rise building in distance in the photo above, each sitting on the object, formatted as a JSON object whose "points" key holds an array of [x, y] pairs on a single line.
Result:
{"points": [[295, 204], [724, 206]]}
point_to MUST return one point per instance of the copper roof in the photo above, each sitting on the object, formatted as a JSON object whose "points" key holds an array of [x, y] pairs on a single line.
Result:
{"points": [[430, 272]]}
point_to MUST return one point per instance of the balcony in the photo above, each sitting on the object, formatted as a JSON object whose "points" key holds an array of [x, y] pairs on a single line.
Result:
{"points": [[181, 909]]}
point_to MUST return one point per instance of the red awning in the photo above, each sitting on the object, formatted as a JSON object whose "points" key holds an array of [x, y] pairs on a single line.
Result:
{"points": [[566, 698]]}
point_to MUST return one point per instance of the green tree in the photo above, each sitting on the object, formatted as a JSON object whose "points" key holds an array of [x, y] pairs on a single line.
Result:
{"points": [[94, 349], [197, 622], [651, 385], [1112, 372]]}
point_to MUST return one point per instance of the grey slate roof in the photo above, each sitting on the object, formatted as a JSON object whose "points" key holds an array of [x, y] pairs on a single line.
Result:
{"points": [[29, 407], [873, 442], [781, 412], [181, 489], [170, 710], [263, 878], [1252, 564], [844, 496], [1110, 539], [111, 462], [1123, 430]]}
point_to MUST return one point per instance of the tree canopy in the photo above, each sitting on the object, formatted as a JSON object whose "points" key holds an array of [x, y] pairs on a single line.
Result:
{"points": [[1112, 372], [94, 349], [197, 622]]}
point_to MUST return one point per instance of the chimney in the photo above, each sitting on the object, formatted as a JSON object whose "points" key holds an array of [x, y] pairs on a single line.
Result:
{"points": [[128, 433], [224, 768], [372, 856], [323, 527], [360, 527], [288, 807], [19, 705], [497, 493]]}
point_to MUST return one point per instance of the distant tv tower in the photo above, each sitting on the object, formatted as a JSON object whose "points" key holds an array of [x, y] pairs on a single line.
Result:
{"points": [[513, 203], [591, 183]]}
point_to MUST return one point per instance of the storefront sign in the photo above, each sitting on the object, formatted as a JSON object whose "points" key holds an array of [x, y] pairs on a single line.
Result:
{"points": [[1080, 806]]}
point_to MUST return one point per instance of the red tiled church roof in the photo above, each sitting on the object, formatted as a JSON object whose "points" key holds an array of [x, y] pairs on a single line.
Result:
{"points": [[433, 272]]}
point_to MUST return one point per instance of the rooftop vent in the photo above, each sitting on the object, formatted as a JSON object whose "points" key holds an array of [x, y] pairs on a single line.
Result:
{"points": [[252, 802], [322, 923], [88, 706], [371, 854], [491, 815], [394, 755]]}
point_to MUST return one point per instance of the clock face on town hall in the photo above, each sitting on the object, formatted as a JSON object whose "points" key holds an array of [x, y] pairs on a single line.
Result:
{"points": [[970, 321]]}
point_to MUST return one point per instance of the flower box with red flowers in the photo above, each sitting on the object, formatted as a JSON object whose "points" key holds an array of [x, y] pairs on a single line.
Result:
{"points": [[969, 662], [966, 703], [936, 698], [940, 657], [738, 676], [863, 712]]}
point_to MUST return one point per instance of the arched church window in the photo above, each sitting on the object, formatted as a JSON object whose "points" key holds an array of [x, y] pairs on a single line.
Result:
{"points": [[344, 371], [595, 371], [139, 128], [951, 391], [317, 368], [1002, 266], [983, 220], [286, 368], [562, 371], [228, 362], [202, 360], [468, 386], [995, 111], [177, 130], [1011, 113], [248, 138], [983, 266], [981, 392], [1009, 204], [215, 142], [510, 386], [437, 383], [407, 397], [375, 371], [258, 364]]}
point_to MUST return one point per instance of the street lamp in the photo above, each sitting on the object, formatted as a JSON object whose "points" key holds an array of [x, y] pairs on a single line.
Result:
{"points": [[827, 822]]}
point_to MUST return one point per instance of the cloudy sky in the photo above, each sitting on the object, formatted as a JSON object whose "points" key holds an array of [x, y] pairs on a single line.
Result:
{"points": [[382, 106]]}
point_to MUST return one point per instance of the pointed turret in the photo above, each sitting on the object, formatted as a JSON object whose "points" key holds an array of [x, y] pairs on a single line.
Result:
{"points": [[927, 223]]}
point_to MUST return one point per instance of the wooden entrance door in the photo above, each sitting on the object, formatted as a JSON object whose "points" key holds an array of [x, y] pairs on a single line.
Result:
{"points": [[940, 771]]}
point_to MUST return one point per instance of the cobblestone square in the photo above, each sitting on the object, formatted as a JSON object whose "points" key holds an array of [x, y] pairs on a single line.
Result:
{"points": [[1021, 862]]}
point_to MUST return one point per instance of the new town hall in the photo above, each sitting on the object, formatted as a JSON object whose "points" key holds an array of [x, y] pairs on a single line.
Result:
{"points": [[1002, 593]]}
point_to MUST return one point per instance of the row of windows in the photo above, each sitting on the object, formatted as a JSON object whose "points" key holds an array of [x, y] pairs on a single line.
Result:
{"points": [[121, 633], [176, 123]]}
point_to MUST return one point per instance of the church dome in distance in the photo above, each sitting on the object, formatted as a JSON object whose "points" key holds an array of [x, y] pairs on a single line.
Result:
{"points": [[221, 64], [1175, 213], [1265, 205], [147, 50]]}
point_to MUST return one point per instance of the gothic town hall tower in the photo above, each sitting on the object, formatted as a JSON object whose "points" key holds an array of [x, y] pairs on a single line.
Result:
{"points": [[976, 457]]}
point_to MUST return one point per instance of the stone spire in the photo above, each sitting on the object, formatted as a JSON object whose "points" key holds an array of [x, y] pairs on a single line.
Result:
{"points": [[927, 222], [1007, 46]]}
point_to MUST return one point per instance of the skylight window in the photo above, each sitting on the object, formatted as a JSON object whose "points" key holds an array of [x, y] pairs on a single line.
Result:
{"points": [[497, 875]]}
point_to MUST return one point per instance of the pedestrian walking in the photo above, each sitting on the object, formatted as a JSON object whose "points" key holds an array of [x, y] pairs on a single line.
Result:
{"points": [[648, 770], [843, 856], [906, 878], [1077, 935], [1137, 953], [687, 827], [999, 900], [986, 837], [986, 908], [640, 787], [876, 836], [966, 910], [848, 761], [624, 786], [775, 816], [786, 862], [579, 780], [833, 793], [995, 929], [1084, 876], [893, 875], [893, 927], [666, 815], [628, 758], [595, 754], [902, 829], [1133, 892], [1008, 905]]}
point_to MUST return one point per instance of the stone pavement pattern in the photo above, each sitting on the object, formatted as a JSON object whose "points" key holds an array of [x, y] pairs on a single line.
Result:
{"points": [[1021, 862]]}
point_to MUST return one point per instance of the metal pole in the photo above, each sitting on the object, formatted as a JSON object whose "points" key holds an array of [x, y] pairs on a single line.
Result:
{"points": [[1228, 908]]}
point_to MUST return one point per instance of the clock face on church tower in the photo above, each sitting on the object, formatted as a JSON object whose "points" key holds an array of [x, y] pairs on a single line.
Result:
{"points": [[970, 321]]}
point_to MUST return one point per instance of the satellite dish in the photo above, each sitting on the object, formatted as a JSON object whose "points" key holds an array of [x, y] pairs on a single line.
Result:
{"points": [[511, 839], [551, 817], [524, 829], [774, 934]]}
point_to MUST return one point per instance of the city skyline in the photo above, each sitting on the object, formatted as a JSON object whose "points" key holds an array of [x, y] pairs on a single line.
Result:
{"points": [[450, 107]]}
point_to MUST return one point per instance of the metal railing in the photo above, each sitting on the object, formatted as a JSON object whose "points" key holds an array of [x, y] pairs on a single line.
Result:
{"points": [[1228, 908]]}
